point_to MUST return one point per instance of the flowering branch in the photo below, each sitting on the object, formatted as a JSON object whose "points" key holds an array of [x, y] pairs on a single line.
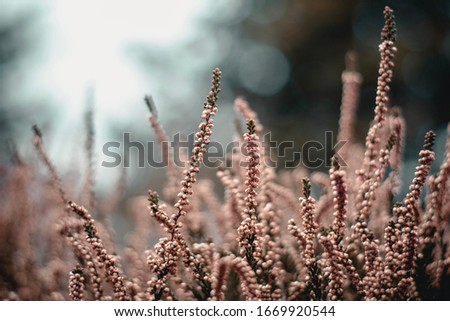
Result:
{"points": [[387, 51], [112, 272], [202, 140], [48, 163], [167, 155], [248, 230]]}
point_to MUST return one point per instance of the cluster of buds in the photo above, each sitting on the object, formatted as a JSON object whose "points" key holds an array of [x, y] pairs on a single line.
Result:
{"points": [[73, 236], [157, 213], [108, 262], [162, 263], [76, 284]]}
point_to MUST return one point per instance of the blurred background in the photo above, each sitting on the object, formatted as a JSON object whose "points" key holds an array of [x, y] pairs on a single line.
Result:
{"points": [[58, 58]]}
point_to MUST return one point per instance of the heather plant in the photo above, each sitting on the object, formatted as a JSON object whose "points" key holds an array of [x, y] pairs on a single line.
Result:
{"points": [[274, 239]]}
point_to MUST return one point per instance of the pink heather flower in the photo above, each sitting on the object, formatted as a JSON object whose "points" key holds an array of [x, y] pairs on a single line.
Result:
{"points": [[202, 139]]}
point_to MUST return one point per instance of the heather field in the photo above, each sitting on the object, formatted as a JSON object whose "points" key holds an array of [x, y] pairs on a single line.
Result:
{"points": [[240, 223]]}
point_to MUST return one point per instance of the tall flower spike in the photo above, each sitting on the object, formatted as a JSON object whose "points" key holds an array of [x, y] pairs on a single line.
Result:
{"points": [[406, 285], [252, 175], [306, 239], [248, 233], [426, 159], [113, 274], [242, 107], [89, 147], [434, 221], [176, 246], [387, 51], [167, 155], [202, 140], [351, 83], [48, 163]]}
